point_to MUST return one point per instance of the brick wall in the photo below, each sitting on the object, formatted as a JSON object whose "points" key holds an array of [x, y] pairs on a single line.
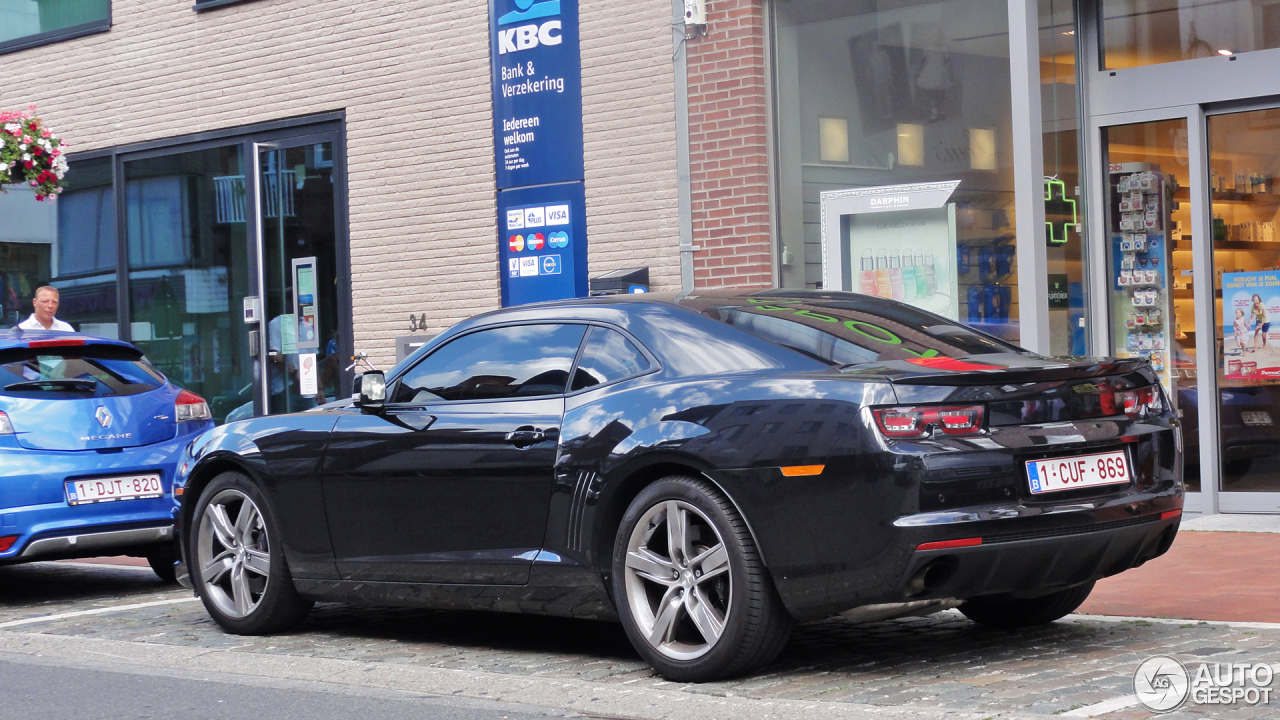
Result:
{"points": [[413, 79], [728, 148]]}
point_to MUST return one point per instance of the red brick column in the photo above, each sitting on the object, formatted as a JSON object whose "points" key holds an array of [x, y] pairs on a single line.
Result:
{"points": [[728, 148]]}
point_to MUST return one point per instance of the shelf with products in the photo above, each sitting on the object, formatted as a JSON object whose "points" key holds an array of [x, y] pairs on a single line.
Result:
{"points": [[1232, 196], [1184, 245]]}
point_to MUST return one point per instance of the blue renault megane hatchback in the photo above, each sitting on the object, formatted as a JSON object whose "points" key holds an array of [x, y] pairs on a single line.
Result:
{"points": [[90, 433]]}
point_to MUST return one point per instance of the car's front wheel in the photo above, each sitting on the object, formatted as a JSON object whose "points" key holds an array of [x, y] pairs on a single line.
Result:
{"points": [[240, 571], [1008, 612], [692, 592]]}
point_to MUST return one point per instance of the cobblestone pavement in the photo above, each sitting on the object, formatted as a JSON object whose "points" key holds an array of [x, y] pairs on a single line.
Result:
{"points": [[942, 661]]}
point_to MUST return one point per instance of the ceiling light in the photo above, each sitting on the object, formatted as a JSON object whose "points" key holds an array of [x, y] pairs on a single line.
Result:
{"points": [[1069, 32], [1224, 52]]}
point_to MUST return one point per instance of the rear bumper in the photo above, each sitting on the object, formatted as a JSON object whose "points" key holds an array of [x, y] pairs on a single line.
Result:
{"points": [[94, 543], [1035, 563], [35, 507]]}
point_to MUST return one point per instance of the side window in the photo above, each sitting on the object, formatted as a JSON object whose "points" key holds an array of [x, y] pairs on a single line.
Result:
{"points": [[506, 362], [608, 356]]}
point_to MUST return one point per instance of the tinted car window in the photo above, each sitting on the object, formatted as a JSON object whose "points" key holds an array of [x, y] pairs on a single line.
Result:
{"points": [[75, 372], [606, 357], [506, 362], [852, 332]]}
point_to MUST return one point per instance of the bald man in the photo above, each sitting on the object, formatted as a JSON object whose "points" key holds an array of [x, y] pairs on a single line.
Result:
{"points": [[46, 306]]}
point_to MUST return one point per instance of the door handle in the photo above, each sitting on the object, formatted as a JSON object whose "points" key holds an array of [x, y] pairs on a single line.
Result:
{"points": [[527, 436]]}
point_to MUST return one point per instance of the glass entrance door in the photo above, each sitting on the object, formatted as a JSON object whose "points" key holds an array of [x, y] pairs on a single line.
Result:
{"points": [[300, 284], [1244, 179], [1147, 245]]}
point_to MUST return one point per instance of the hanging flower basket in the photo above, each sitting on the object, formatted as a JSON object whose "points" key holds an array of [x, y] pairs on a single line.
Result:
{"points": [[30, 153]]}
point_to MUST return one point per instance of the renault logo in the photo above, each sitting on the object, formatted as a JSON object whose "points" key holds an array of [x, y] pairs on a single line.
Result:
{"points": [[104, 417]]}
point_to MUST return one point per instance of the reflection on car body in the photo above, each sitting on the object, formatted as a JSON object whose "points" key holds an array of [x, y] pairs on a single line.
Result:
{"points": [[706, 469]]}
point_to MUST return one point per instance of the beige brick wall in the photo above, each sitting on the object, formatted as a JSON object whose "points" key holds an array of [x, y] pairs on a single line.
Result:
{"points": [[413, 79]]}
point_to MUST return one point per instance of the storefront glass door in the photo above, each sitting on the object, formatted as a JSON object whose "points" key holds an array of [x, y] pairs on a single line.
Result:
{"points": [[1147, 203], [213, 230], [188, 266], [1244, 183], [296, 207]]}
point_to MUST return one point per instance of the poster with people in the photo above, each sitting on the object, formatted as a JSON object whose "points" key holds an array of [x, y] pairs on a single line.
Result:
{"points": [[1251, 325]]}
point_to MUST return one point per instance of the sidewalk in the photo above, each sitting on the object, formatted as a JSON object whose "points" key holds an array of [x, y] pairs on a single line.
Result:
{"points": [[1221, 567]]}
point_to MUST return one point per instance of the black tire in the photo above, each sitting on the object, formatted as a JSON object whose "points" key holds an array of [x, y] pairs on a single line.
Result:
{"points": [[736, 600], [271, 602], [161, 561], [1003, 611]]}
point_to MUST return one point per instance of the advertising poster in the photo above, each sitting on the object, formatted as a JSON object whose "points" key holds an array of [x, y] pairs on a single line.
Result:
{"points": [[307, 331], [907, 255], [537, 91], [1250, 309]]}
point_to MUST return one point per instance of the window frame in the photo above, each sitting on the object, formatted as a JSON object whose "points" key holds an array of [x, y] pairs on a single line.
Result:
{"points": [[399, 379], [654, 364], [49, 37]]}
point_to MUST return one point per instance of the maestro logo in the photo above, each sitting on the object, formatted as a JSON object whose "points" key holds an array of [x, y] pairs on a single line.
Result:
{"points": [[536, 241], [527, 37], [1161, 683]]}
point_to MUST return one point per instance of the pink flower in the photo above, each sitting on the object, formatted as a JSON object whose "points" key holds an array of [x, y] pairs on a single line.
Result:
{"points": [[45, 133]]}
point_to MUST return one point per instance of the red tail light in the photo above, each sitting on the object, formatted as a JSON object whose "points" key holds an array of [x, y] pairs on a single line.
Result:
{"points": [[190, 407], [1141, 402], [7, 542], [918, 422], [6, 427], [72, 342]]}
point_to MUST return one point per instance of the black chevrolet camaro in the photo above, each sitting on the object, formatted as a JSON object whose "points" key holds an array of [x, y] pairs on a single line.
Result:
{"points": [[706, 469]]}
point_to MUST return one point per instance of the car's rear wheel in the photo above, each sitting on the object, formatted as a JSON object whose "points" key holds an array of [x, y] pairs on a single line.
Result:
{"points": [[240, 571], [1003, 611], [692, 592]]}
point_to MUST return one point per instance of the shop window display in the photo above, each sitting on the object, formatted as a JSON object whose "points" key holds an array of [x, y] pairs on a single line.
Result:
{"points": [[1152, 305], [908, 94]]}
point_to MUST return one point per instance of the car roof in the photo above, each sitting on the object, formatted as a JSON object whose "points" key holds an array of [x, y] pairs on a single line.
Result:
{"points": [[17, 338], [597, 308]]}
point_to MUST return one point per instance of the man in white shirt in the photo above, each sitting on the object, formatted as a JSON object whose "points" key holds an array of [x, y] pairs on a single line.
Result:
{"points": [[46, 306]]}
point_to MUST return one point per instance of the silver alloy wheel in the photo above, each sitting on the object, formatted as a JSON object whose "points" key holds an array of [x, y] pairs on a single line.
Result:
{"points": [[233, 554], [677, 580]]}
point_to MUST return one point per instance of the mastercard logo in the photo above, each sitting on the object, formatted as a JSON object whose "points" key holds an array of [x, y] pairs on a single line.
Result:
{"points": [[517, 243], [536, 241]]}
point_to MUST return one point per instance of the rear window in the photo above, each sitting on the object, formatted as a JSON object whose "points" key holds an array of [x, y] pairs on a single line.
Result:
{"points": [[51, 373], [841, 333]]}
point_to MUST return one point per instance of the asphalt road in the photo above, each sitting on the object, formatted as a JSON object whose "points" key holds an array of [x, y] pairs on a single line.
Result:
{"points": [[42, 688]]}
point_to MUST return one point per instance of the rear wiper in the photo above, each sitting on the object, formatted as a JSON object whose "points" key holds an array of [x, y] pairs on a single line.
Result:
{"points": [[80, 385]]}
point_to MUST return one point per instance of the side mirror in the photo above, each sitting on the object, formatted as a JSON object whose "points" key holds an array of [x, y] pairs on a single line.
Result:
{"points": [[372, 388]]}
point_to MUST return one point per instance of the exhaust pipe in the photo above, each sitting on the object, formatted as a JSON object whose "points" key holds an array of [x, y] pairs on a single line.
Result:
{"points": [[932, 576]]}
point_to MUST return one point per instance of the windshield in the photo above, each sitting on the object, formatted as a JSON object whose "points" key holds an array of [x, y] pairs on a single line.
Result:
{"points": [[75, 372], [852, 331]]}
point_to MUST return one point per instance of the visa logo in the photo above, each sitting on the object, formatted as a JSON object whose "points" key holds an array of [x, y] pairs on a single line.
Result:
{"points": [[557, 214], [527, 37]]}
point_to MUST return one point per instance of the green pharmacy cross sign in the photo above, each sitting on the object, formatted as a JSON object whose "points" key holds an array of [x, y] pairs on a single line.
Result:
{"points": [[1059, 212]]}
